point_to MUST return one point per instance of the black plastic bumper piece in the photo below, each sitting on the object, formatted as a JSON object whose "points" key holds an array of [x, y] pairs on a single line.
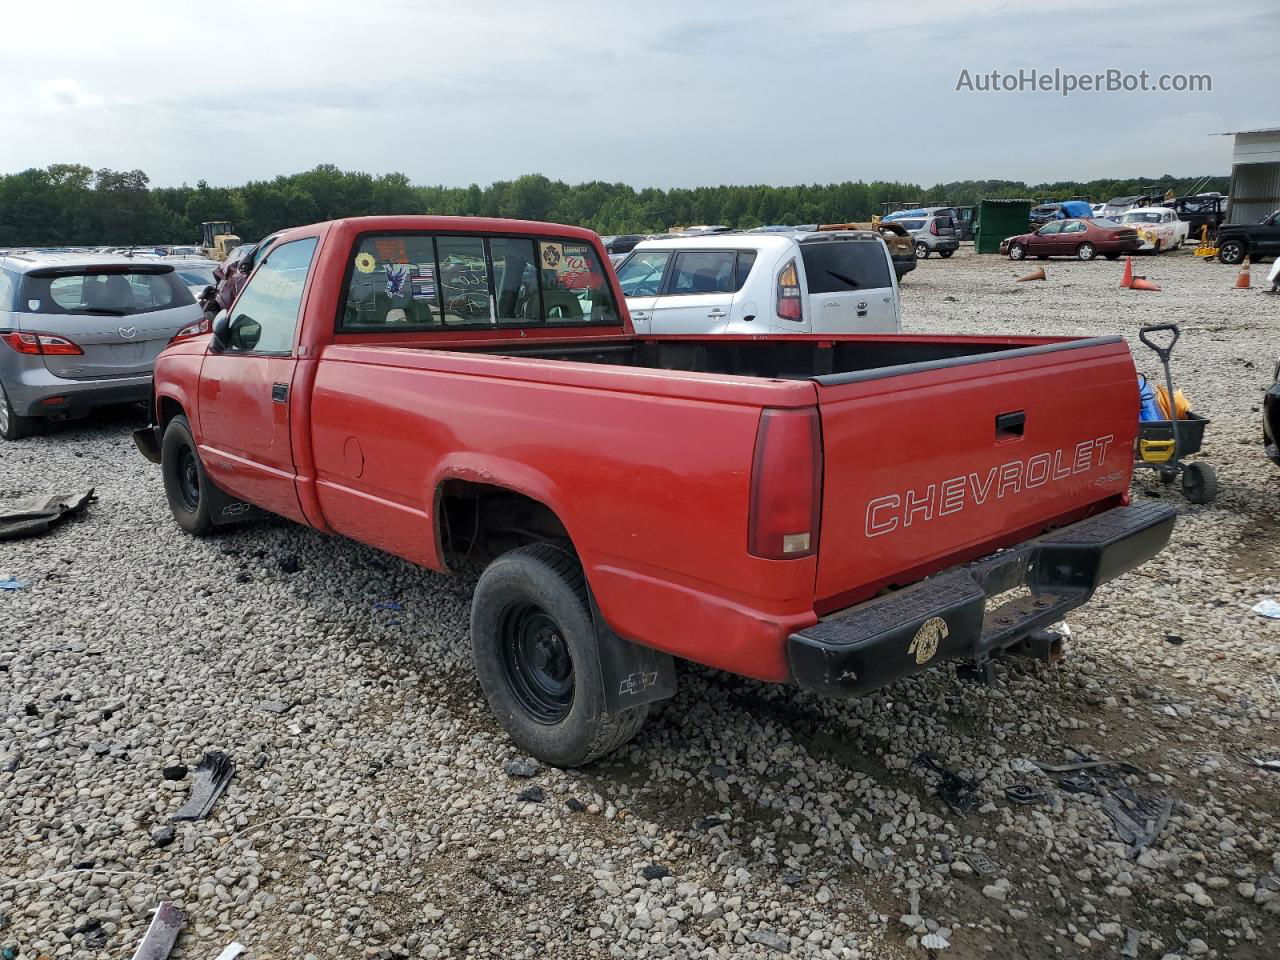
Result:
{"points": [[1271, 422], [946, 617]]}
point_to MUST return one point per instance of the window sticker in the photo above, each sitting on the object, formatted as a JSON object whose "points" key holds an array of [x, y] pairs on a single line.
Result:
{"points": [[422, 281], [391, 249], [365, 262], [574, 269], [397, 277], [552, 255]]}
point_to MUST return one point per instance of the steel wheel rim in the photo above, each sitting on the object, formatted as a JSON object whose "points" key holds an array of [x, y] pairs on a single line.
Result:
{"points": [[188, 479], [536, 661], [1017, 252], [1086, 251]]}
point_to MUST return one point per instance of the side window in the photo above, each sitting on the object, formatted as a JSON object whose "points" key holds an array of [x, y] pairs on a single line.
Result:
{"points": [[575, 286], [8, 291], [641, 274], [464, 280], [1050, 228], [698, 271], [266, 313], [746, 259], [392, 285], [515, 280], [1075, 226]]}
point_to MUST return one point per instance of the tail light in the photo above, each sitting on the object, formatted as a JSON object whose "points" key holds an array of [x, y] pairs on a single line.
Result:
{"points": [[37, 344], [933, 227], [786, 485], [203, 325], [789, 307]]}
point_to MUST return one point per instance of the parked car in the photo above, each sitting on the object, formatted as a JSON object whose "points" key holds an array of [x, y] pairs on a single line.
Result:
{"points": [[933, 231], [82, 331], [195, 272], [1116, 206], [1204, 210], [1082, 239], [1158, 227], [746, 502], [1271, 418], [1253, 240], [821, 282], [1044, 212], [623, 243]]}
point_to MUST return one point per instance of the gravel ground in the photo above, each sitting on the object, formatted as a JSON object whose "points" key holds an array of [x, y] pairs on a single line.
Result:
{"points": [[378, 811]]}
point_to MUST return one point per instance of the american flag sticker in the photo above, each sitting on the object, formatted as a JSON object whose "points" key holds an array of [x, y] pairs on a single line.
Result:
{"points": [[423, 281]]}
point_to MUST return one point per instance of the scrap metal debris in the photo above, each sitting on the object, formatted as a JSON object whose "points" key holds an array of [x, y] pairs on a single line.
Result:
{"points": [[1025, 794], [1265, 764], [1087, 764], [957, 792], [232, 951], [1138, 817], [161, 934], [34, 515], [212, 775], [981, 863]]}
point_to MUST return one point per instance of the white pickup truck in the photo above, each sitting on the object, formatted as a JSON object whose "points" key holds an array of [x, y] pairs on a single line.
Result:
{"points": [[758, 283]]}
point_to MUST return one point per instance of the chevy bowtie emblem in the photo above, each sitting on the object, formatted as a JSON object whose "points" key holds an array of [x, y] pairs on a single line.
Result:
{"points": [[128, 332]]}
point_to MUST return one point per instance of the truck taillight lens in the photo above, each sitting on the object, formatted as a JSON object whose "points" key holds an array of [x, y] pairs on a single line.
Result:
{"points": [[203, 325], [789, 293], [786, 485], [35, 344]]}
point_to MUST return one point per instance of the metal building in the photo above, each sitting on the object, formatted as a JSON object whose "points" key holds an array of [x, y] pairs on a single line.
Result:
{"points": [[1255, 174]]}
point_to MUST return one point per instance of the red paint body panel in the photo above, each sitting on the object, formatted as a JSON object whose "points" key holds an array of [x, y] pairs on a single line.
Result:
{"points": [[649, 469]]}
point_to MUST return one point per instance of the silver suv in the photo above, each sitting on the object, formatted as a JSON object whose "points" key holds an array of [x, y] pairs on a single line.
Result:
{"points": [[932, 228], [82, 331]]}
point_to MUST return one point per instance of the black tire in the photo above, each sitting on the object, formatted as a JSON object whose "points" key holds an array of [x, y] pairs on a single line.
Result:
{"points": [[1231, 252], [537, 657], [922, 250], [1155, 250], [1085, 251], [1017, 251], [945, 253], [13, 426], [1199, 482], [185, 483], [1112, 256]]}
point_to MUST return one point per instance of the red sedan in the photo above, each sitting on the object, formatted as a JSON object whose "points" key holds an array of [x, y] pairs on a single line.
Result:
{"points": [[1083, 239]]}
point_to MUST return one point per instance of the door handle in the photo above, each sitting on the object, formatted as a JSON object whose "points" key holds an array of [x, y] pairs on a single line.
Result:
{"points": [[279, 393], [717, 313], [639, 315], [1012, 424]]}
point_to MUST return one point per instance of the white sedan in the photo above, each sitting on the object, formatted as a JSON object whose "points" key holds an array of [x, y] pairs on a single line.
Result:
{"points": [[1158, 228]]}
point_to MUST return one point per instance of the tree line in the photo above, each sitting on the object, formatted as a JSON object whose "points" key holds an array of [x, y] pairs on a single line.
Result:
{"points": [[72, 204]]}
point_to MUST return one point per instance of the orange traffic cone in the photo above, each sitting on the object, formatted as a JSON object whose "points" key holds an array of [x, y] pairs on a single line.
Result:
{"points": [[1242, 278], [1142, 283], [1127, 279], [1033, 275]]}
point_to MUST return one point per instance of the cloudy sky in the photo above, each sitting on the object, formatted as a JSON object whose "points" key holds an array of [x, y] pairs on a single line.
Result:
{"points": [[654, 94]]}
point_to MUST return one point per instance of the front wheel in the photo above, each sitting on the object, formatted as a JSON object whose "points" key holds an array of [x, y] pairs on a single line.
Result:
{"points": [[1017, 251], [1085, 251], [1231, 252], [13, 426], [185, 485], [1199, 482], [922, 251], [537, 657]]}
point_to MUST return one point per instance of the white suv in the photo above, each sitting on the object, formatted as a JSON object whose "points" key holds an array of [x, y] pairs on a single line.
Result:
{"points": [[745, 283]]}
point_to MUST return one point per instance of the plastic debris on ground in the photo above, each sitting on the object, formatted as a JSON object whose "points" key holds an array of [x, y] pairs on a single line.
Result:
{"points": [[8, 582], [161, 935], [1262, 764], [34, 515], [1267, 608], [1025, 794], [957, 792], [212, 774], [232, 952]]}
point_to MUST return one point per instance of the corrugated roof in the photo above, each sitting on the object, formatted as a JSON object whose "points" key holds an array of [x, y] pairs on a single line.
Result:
{"points": [[1232, 133]]}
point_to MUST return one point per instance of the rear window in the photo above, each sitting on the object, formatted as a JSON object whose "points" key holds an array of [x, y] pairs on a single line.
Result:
{"points": [[405, 282], [117, 293], [912, 224], [840, 266]]}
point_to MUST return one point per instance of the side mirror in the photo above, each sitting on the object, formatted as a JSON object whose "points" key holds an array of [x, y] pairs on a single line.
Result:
{"points": [[221, 332]]}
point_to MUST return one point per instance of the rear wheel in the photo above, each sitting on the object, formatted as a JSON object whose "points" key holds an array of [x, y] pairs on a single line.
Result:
{"points": [[1199, 482], [13, 426], [537, 657], [945, 253], [185, 483], [1231, 252], [1017, 251], [1085, 251], [922, 250]]}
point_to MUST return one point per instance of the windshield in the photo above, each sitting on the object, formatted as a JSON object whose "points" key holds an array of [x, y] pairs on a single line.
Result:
{"points": [[1141, 216], [106, 292], [641, 274]]}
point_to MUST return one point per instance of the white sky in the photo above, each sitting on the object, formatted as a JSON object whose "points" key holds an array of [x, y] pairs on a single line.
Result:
{"points": [[652, 93]]}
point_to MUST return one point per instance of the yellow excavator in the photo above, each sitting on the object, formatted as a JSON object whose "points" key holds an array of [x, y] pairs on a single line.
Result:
{"points": [[217, 240]]}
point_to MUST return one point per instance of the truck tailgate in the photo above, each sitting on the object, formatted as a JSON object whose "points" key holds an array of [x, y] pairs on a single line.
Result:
{"points": [[928, 464]]}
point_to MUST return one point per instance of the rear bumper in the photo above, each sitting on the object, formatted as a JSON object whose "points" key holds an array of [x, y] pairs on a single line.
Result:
{"points": [[945, 617], [38, 393], [941, 245], [904, 265]]}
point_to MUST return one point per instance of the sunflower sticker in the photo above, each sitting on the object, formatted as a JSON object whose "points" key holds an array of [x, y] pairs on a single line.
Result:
{"points": [[365, 262]]}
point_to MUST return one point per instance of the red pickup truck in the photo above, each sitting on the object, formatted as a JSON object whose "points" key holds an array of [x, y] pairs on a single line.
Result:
{"points": [[833, 511]]}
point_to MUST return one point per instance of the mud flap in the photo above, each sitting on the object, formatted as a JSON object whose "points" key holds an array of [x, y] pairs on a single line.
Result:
{"points": [[225, 509], [632, 674]]}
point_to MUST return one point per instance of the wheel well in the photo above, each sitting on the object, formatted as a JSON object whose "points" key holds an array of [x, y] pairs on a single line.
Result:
{"points": [[166, 409], [480, 521]]}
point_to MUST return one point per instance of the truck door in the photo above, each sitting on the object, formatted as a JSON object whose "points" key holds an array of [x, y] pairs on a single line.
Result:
{"points": [[698, 297], [850, 286], [244, 397]]}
